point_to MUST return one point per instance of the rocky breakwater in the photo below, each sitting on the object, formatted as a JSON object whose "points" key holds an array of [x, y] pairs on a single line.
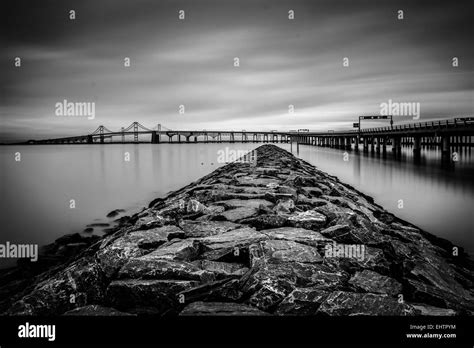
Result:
{"points": [[275, 236]]}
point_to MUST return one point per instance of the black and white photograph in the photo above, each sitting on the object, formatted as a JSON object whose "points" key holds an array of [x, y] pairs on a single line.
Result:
{"points": [[206, 172]]}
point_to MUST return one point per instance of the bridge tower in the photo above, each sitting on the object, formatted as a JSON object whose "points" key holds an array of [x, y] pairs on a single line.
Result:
{"points": [[135, 132], [101, 132], [155, 136], [123, 135]]}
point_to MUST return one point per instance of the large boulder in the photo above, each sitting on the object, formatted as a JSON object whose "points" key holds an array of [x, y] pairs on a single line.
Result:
{"points": [[176, 249], [196, 229], [79, 284], [112, 256], [289, 251], [341, 303], [270, 282], [154, 297], [220, 309], [300, 235], [370, 281], [96, 311], [302, 301], [156, 268], [237, 214], [218, 246]]}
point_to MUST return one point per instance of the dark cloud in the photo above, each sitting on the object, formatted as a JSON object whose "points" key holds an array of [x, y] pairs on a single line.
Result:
{"points": [[191, 62]]}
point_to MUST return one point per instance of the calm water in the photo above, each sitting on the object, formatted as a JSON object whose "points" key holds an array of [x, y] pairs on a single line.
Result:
{"points": [[37, 190]]}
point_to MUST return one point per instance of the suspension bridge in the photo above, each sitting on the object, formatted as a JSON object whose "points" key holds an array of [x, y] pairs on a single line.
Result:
{"points": [[454, 132]]}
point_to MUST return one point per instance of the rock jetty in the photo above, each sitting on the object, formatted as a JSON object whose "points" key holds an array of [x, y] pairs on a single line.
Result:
{"points": [[274, 236]]}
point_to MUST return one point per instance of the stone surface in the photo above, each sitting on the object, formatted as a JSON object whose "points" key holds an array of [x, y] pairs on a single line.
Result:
{"points": [[288, 251], [206, 228], [157, 297], [299, 235], [156, 268], [96, 310], [237, 214], [351, 303], [304, 301], [220, 309], [218, 246], [176, 249], [370, 281], [134, 244]]}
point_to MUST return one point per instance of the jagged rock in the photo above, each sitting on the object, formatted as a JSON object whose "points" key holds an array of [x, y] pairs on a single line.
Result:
{"points": [[275, 197], [287, 251], [176, 249], [434, 296], [96, 310], [370, 281], [303, 301], [148, 222], [433, 311], [134, 244], [351, 303], [437, 273], [153, 268], [266, 221], [285, 206], [269, 283], [312, 191], [220, 290], [82, 280], [240, 203], [300, 181], [220, 309], [222, 269], [255, 181], [337, 233], [213, 210], [237, 214], [139, 296], [369, 258], [299, 235], [218, 246], [196, 229], [270, 171], [286, 190], [115, 213], [309, 219]]}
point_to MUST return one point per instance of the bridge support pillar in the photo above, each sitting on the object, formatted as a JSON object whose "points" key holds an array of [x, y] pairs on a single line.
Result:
{"points": [[397, 145], [366, 144], [348, 141], [90, 140], [417, 146], [445, 153], [155, 138], [384, 144]]}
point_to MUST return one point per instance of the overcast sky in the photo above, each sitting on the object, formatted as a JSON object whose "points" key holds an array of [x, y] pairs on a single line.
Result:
{"points": [[191, 62]]}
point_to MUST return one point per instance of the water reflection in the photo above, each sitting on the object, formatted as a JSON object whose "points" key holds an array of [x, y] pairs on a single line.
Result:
{"points": [[436, 197]]}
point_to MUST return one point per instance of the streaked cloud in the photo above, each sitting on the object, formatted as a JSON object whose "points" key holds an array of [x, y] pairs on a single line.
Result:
{"points": [[191, 62]]}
